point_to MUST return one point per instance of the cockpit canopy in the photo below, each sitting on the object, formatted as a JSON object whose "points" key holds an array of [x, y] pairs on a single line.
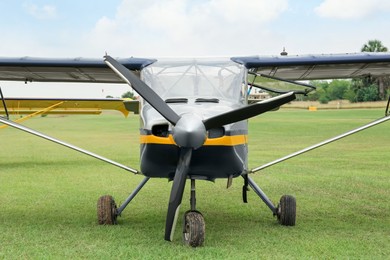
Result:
{"points": [[197, 78]]}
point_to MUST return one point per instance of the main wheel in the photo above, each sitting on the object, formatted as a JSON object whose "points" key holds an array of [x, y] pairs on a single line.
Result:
{"points": [[194, 229], [106, 210], [286, 211]]}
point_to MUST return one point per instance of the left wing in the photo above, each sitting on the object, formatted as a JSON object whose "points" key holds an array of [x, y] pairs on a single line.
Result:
{"points": [[333, 66]]}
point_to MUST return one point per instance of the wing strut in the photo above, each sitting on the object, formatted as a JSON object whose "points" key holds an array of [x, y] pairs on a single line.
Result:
{"points": [[33, 132], [3, 100], [376, 122]]}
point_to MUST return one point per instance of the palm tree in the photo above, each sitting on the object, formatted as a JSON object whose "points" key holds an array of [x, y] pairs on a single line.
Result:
{"points": [[377, 46], [374, 46]]}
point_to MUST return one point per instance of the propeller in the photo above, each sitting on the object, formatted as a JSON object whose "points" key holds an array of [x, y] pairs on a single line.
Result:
{"points": [[142, 89], [179, 183], [248, 111], [189, 131]]}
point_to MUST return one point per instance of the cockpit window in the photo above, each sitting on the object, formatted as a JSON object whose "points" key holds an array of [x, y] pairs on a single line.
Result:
{"points": [[197, 79]]}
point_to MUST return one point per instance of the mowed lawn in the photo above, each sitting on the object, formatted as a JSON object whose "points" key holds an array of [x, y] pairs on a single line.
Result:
{"points": [[48, 193]]}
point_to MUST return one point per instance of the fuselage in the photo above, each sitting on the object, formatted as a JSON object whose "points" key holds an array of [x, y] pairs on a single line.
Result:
{"points": [[198, 88]]}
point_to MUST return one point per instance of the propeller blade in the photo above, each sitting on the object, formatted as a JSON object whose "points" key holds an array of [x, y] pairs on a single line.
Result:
{"points": [[248, 111], [142, 89], [177, 190]]}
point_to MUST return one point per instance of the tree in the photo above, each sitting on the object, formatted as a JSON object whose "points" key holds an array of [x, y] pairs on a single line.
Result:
{"points": [[128, 94], [381, 81], [364, 90], [368, 93], [321, 92], [374, 46], [337, 89], [330, 90]]}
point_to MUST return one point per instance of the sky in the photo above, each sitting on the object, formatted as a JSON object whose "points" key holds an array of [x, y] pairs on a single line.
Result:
{"points": [[180, 28]]}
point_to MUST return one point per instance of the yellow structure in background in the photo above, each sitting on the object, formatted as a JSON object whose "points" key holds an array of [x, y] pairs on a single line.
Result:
{"points": [[33, 107]]}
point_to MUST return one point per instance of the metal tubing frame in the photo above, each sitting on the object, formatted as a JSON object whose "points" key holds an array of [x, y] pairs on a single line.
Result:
{"points": [[376, 122], [33, 132], [132, 195], [262, 195]]}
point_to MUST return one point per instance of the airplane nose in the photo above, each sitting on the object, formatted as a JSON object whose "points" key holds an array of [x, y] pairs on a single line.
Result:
{"points": [[190, 131]]}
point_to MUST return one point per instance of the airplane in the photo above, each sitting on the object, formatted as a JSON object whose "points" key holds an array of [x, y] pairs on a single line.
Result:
{"points": [[194, 116]]}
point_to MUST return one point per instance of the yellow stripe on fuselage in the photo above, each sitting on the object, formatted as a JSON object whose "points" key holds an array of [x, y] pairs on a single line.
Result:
{"points": [[222, 141]]}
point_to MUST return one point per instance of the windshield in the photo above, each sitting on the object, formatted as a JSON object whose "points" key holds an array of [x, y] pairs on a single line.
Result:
{"points": [[196, 78]]}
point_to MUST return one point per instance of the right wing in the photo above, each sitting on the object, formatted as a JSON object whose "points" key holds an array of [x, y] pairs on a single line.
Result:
{"points": [[29, 69]]}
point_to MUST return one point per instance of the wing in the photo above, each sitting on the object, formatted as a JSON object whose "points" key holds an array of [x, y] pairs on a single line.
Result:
{"points": [[65, 70], [67, 106], [319, 66]]}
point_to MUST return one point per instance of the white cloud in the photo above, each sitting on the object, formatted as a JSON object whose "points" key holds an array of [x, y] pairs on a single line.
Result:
{"points": [[351, 9], [41, 12], [185, 27]]}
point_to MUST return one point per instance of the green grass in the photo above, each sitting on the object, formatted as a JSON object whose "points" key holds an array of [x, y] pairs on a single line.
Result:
{"points": [[48, 193]]}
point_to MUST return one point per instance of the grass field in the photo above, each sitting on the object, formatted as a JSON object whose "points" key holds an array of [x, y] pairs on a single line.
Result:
{"points": [[48, 193]]}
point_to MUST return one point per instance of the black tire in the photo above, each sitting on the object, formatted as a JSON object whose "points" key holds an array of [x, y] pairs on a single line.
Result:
{"points": [[287, 210], [106, 210], [194, 229]]}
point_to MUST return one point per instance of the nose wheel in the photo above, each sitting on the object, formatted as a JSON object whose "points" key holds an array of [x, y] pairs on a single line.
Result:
{"points": [[193, 229], [194, 226]]}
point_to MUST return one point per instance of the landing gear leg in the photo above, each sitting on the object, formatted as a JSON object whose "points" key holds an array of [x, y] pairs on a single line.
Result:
{"points": [[107, 211], [132, 195], [285, 211], [262, 195], [193, 224]]}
